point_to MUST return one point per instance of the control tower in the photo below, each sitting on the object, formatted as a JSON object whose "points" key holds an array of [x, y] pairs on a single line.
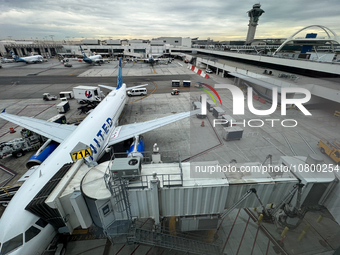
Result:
{"points": [[254, 15]]}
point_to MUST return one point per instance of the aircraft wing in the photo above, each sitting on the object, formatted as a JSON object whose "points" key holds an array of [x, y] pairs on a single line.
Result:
{"points": [[136, 87], [122, 133], [107, 87], [56, 132]]}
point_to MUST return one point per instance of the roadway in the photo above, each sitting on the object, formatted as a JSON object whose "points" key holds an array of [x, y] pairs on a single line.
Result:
{"points": [[20, 81], [57, 79]]}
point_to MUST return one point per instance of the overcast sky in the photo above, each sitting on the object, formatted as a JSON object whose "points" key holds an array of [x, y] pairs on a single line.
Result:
{"points": [[147, 19]]}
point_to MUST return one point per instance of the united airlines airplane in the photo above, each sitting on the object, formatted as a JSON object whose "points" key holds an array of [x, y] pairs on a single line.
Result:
{"points": [[22, 232], [96, 59], [28, 60]]}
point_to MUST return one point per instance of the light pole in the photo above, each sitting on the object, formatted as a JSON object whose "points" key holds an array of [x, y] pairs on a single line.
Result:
{"points": [[111, 53], [52, 38]]}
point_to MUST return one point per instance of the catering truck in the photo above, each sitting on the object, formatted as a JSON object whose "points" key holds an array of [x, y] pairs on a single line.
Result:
{"points": [[88, 93]]}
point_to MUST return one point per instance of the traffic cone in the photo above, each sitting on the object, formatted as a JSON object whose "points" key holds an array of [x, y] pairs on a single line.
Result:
{"points": [[11, 130], [202, 125]]}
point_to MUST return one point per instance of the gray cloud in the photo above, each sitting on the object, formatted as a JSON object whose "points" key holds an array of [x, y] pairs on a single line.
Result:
{"points": [[217, 19]]}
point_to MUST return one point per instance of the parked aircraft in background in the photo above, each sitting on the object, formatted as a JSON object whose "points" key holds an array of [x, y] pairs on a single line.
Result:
{"points": [[96, 59], [155, 58], [22, 232], [7, 60], [28, 60]]}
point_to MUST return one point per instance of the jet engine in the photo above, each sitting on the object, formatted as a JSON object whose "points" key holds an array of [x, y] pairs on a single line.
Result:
{"points": [[41, 155]]}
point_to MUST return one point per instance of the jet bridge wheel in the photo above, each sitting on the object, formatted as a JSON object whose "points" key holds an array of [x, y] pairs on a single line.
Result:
{"points": [[322, 150], [18, 154]]}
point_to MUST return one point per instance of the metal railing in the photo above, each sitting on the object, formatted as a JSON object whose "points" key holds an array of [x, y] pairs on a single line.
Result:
{"points": [[142, 181]]}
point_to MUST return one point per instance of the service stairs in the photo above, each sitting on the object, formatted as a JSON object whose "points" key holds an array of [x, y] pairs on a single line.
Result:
{"points": [[118, 189], [148, 237]]}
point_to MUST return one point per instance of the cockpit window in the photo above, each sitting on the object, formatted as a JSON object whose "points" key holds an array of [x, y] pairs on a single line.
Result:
{"points": [[12, 244], [41, 223], [30, 233]]}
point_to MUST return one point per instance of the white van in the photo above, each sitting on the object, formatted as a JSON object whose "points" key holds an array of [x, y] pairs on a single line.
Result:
{"points": [[137, 92]]}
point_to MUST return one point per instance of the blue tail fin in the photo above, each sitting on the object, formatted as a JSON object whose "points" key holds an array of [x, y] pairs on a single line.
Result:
{"points": [[15, 57], [120, 77], [84, 56]]}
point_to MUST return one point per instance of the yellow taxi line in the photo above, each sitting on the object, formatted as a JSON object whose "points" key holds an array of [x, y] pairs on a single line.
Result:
{"points": [[146, 95]]}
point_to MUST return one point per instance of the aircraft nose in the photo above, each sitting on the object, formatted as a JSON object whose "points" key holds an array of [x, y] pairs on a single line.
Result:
{"points": [[18, 251]]}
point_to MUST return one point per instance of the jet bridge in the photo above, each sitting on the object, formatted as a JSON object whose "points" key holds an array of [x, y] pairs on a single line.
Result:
{"points": [[114, 195]]}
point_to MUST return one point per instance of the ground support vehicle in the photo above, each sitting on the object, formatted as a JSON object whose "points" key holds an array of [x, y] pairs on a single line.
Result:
{"points": [[175, 92], [332, 149], [19, 146], [48, 97]]}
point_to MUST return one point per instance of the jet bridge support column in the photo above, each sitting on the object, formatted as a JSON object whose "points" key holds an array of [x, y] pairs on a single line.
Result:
{"points": [[154, 186], [25, 51]]}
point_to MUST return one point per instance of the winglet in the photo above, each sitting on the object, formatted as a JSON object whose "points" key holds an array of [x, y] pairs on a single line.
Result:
{"points": [[3, 110], [120, 77]]}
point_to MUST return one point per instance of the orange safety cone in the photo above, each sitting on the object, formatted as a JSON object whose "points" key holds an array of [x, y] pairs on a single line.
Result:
{"points": [[202, 125], [11, 130]]}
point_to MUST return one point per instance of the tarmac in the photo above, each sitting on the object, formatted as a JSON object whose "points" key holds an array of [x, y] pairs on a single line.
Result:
{"points": [[238, 233]]}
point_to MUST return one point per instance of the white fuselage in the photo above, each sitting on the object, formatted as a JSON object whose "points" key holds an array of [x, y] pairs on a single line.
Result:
{"points": [[95, 131], [96, 57], [32, 59], [93, 59]]}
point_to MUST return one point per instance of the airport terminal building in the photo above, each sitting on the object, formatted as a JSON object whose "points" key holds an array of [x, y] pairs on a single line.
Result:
{"points": [[106, 48]]}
